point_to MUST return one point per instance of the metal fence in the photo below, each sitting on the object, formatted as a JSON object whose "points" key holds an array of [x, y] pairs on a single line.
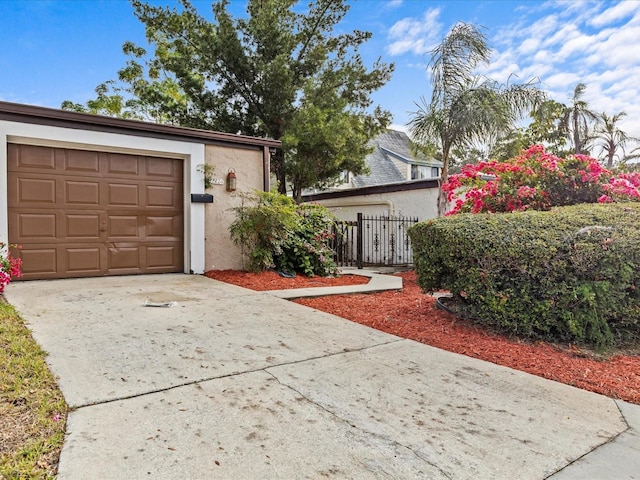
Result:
{"points": [[373, 241]]}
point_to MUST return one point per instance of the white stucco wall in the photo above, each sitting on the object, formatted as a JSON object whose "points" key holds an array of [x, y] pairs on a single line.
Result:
{"points": [[221, 252], [410, 203], [192, 153]]}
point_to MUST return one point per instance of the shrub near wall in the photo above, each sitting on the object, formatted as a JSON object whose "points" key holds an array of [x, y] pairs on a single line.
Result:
{"points": [[569, 274], [274, 232]]}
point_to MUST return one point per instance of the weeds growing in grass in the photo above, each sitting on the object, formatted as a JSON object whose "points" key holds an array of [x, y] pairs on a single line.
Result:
{"points": [[32, 410]]}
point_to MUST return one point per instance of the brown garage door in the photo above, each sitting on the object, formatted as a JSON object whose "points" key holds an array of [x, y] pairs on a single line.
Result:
{"points": [[78, 213]]}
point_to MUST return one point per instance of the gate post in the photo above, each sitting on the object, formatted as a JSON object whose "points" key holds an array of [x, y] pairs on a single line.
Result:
{"points": [[360, 243]]}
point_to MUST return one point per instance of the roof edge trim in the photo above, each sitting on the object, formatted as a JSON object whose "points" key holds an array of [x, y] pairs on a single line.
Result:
{"points": [[23, 113]]}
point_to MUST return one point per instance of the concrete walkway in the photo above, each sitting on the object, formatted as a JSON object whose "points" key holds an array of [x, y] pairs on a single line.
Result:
{"points": [[232, 383], [377, 283]]}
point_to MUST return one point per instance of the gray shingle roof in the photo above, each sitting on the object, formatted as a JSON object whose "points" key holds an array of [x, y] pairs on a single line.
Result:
{"points": [[390, 148]]}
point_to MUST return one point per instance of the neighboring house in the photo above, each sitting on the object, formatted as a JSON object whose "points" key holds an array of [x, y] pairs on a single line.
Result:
{"points": [[392, 161], [88, 195], [417, 198], [399, 183]]}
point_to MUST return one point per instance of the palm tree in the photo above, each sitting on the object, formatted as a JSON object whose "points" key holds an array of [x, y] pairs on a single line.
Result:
{"points": [[577, 120], [612, 140], [465, 107]]}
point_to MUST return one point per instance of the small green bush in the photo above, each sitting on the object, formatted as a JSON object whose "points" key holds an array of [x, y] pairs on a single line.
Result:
{"points": [[569, 274], [274, 232]]}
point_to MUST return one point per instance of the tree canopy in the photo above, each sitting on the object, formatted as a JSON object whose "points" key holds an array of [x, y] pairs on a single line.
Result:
{"points": [[281, 72], [572, 129], [466, 107], [613, 141], [578, 119]]}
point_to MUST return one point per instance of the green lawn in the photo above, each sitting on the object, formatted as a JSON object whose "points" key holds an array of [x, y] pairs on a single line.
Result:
{"points": [[32, 409]]}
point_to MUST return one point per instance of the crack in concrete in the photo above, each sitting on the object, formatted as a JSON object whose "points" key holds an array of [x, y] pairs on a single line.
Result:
{"points": [[229, 375], [609, 440], [356, 427]]}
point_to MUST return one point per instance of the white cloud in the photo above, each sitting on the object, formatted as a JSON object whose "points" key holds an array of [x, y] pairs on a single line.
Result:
{"points": [[615, 13], [415, 35], [529, 46], [620, 48], [561, 43], [393, 3], [563, 49], [564, 81]]}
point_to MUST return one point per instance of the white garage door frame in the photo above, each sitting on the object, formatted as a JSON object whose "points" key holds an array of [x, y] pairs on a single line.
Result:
{"points": [[192, 154]]}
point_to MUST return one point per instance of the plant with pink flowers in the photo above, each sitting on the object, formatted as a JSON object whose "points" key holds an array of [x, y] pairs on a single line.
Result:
{"points": [[10, 267], [537, 180]]}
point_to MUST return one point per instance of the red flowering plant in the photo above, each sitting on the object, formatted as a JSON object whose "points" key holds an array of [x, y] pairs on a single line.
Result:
{"points": [[537, 180], [623, 187], [10, 267]]}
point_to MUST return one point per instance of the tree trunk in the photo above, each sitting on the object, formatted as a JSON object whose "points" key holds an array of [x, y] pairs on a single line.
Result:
{"points": [[297, 194], [443, 203], [577, 145], [610, 160], [282, 181], [277, 166]]}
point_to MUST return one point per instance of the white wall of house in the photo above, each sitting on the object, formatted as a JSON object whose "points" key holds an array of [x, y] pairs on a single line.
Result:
{"points": [[192, 153], [420, 203]]}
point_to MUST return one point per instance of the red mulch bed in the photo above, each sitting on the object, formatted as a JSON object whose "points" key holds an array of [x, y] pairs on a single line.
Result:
{"points": [[412, 314], [273, 281]]}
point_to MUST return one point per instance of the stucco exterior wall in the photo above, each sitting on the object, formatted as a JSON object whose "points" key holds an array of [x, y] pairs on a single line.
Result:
{"points": [[410, 203], [220, 252]]}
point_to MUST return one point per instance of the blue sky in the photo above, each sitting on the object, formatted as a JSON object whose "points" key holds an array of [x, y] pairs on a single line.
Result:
{"points": [[55, 50]]}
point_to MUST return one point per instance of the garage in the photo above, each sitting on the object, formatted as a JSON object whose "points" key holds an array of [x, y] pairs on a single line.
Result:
{"points": [[79, 213], [87, 195]]}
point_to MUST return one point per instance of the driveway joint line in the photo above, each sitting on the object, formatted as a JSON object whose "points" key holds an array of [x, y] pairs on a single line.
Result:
{"points": [[235, 374], [360, 429], [627, 430]]}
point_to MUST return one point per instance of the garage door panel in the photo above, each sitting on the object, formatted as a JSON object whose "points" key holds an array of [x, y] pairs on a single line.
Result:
{"points": [[79, 192], [120, 194], [162, 257], [85, 226], [35, 190], [118, 164], [123, 226], [79, 213], [85, 260], [31, 157], [82, 162], [124, 258], [162, 226], [39, 261], [164, 170], [161, 196], [34, 226]]}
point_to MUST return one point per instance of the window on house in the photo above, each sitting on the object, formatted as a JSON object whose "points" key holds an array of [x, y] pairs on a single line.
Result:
{"points": [[419, 172], [344, 177], [435, 172]]}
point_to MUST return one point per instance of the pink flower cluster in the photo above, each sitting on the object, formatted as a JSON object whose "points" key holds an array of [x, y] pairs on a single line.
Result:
{"points": [[10, 267], [537, 180], [623, 187]]}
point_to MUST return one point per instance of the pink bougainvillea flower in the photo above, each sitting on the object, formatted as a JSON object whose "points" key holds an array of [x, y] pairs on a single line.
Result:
{"points": [[537, 180]]}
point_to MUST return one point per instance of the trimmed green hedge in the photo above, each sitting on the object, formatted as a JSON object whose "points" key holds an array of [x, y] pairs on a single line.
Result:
{"points": [[569, 274]]}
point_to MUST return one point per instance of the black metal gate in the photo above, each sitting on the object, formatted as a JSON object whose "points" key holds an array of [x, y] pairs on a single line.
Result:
{"points": [[373, 241]]}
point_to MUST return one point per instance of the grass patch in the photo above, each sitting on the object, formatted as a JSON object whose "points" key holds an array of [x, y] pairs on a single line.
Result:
{"points": [[32, 410]]}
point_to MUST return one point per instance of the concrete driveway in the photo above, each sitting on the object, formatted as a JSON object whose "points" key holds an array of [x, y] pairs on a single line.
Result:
{"points": [[231, 383]]}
